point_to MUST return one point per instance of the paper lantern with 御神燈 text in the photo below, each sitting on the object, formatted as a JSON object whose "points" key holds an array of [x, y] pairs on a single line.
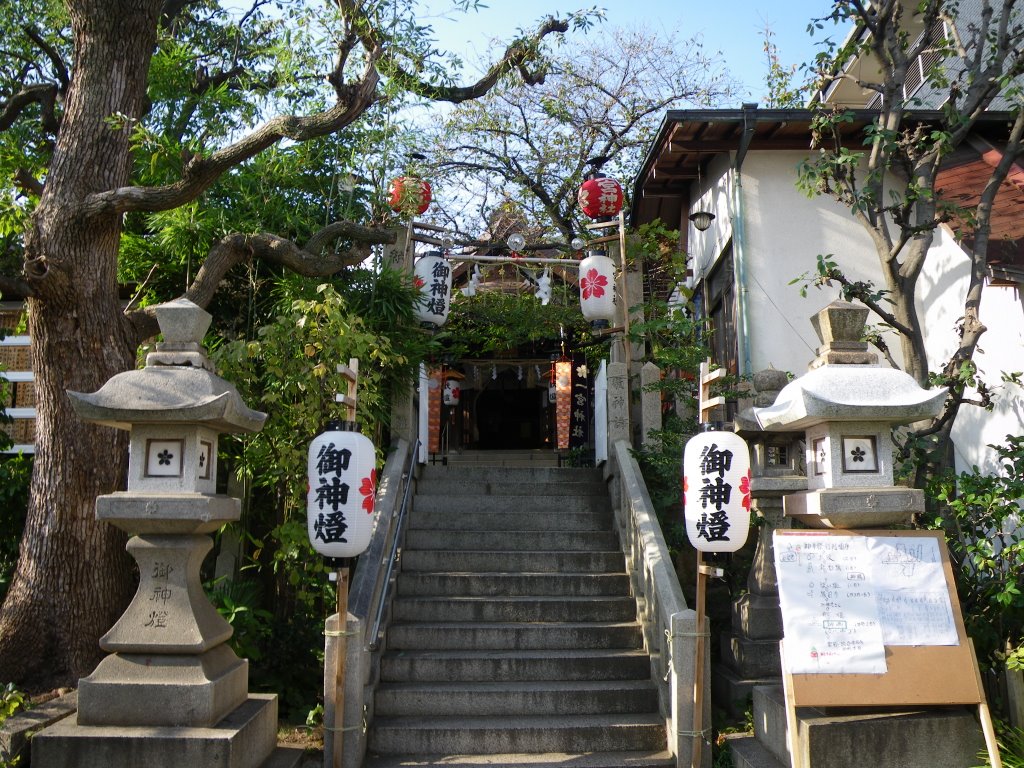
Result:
{"points": [[433, 276], [716, 491], [342, 487]]}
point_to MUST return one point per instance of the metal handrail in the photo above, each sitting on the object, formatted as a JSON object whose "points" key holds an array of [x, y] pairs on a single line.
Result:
{"points": [[393, 555]]}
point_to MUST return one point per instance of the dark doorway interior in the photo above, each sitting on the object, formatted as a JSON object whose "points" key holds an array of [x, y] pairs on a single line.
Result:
{"points": [[510, 415]]}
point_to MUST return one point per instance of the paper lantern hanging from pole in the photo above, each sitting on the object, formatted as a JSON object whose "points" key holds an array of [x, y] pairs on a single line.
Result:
{"points": [[342, 478], [600, 197], [452, 392], [716, 491], [597, 287], [409, 195], [433, 276]]}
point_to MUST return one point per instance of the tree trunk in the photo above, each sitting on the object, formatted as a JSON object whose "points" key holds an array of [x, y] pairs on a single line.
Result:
{"points": [[79, 339]]}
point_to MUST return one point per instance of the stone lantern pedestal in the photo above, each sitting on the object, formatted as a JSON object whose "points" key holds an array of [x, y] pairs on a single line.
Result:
{"points": [[171, 692]]}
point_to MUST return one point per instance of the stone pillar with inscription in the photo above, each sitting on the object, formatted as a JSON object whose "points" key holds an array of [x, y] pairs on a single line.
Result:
{"points": [[171, 691]]}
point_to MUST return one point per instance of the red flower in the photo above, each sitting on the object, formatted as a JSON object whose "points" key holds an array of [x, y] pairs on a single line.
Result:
{"points": [[368, 488], [745, 490], [593, 284]]}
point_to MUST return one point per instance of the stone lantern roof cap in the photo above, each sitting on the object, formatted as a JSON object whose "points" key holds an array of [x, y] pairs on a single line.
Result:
{"points": [[849, 393], [177, 386]]}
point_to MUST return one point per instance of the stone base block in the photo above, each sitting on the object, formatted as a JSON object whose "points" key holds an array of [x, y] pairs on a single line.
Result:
{"points": [[854, 507], [931, 737], [733, 694], [757, 617], [244, 739], [132, 689], [751, 658]]}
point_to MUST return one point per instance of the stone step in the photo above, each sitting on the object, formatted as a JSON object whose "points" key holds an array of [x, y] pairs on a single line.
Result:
{"points": [[506, 666], [641, 759], [521, 475], [449, 517], [536, 697], [499, 541], [566, 733], [466, 486], [747, 752], [529, 608], [509, 635], [547, 561], [483, 584]]}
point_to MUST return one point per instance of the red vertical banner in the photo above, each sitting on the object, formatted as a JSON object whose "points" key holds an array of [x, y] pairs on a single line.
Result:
{"points": [[563, 401], [434, 392]]}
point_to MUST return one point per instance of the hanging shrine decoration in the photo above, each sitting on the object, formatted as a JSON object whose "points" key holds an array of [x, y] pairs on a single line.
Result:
{"points": [[433, 276], [597, 287], [342, 478], [579, 418], [562, 377], [452, 391], [409, 195], [435, 386], [600, 197], [716, 491]]}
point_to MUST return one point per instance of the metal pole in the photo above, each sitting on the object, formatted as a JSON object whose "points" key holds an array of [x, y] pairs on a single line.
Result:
{"points": [[338, 726]]}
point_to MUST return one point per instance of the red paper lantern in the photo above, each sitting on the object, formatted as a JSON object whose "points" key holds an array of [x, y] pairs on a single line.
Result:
{"points": [[409, 195], [601, 197]]}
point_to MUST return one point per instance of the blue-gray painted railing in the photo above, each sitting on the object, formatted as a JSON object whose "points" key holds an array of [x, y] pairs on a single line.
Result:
{"points": [[369, 596], [669, 626]]}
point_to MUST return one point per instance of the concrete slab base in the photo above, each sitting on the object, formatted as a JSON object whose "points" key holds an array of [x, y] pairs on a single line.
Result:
{"points": [[246, 738]]}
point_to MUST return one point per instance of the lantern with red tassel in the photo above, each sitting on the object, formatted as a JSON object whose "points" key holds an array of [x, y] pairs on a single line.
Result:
{"points": [[600, 197], [409, 195]]}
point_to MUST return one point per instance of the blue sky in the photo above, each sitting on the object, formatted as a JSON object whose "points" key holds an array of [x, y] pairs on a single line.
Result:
{"points": [[734, 27]]}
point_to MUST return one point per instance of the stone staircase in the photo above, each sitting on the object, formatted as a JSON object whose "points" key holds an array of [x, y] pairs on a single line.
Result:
{"points": [[513, 638]]}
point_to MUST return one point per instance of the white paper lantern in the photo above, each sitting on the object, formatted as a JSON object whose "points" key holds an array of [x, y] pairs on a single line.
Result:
{"points": [[716, 491], [452, 392], [597, 287], [342, 488], [434, 279]]}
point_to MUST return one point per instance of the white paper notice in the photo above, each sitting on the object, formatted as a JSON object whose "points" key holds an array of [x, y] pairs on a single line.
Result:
{"points": [[910, 589], [829, 610]]}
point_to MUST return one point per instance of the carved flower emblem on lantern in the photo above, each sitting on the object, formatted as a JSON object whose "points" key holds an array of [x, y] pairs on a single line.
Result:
{"points": [[368, 490], [593, 284]]}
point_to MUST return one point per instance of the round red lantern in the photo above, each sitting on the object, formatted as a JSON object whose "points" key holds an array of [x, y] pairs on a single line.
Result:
{"points": [[601, 197], [716, 491], [409, 195]]}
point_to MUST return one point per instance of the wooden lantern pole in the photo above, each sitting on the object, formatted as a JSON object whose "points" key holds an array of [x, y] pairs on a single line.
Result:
{"points": [[350, 373], [705, 404]]}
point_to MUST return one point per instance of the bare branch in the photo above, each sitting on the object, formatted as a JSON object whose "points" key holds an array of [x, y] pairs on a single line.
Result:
{"points": [[15, 288], [28, 183], [44, 94], [59, 67]]}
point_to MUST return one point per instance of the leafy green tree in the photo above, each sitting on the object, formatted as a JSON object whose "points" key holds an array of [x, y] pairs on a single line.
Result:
{"points": [[970, 64], [117, 118], [596, 109]]}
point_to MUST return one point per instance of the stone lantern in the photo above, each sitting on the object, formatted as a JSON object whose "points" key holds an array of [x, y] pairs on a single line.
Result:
{"points": [[846, 406], [170, 674]]}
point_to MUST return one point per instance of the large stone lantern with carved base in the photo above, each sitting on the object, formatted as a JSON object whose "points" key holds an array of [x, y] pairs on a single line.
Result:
{"points": [[847, 405], [171, 689]]}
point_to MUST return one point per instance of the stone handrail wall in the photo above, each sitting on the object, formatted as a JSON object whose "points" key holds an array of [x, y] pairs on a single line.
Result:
{"points": [[368, 589], [669, 625]]}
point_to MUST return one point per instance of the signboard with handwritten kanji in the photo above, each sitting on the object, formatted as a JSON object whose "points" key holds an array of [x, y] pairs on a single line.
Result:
{"points": [[869, 616]]}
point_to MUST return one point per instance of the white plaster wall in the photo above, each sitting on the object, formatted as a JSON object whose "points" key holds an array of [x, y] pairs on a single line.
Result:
{"points": [[941, 292], [783, 234]]}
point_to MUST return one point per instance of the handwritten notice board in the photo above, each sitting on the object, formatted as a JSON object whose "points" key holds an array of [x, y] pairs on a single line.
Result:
{"points": [[872, 618]]}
